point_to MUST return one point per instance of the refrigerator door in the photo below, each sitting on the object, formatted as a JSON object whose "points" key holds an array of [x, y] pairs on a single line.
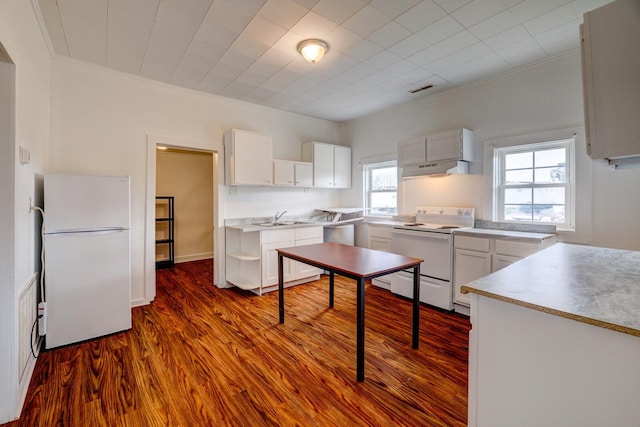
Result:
{"points": [[88, 285], [79, 202]]}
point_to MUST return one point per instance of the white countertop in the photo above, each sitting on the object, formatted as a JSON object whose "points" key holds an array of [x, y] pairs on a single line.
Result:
{"points": [[503, 234], [598, 286]]}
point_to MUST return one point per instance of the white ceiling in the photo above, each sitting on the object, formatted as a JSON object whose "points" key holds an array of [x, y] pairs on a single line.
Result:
{"points": [[379, 50]]}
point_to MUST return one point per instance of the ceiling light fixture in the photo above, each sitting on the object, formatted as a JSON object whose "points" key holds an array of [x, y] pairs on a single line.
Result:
{"points": [[313, 50]]}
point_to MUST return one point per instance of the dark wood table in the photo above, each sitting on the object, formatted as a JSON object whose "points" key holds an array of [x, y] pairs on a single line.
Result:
{"points": [[359, 264]]}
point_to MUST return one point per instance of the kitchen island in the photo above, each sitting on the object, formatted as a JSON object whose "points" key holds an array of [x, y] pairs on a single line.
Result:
{"points": [[556, 340]]}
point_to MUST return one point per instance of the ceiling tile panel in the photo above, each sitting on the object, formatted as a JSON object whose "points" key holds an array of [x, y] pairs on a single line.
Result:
{"points": [[477, 11], [421, 15], [264, 31], [365, 21], [191, 70], [560, 39], [459, 58], [168, 43], [363, 50], [551, 20], [85, 28], [341, 39], [128, 37], [284, 13], [216, 34], [182, 15], [389, 35], [494, 25], [452, 5], [529, 9], [393, 9], [438, 31], [229, 15], [382, 60], [213, 83], [507, 38], [144, 8], [158, 67], [482, 67], [522, 53], [443, 48], [248, 47], [313, 25], [338, 10], [51, 15]]}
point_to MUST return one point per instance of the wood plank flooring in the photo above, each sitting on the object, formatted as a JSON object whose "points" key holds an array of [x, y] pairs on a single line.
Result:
{"points": [[199, 355]]}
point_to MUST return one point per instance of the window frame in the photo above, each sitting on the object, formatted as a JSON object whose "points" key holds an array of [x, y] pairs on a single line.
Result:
{"points": [[367, 169], [499, 176]]}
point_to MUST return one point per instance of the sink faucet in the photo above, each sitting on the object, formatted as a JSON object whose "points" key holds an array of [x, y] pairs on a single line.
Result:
{"points": [[278, 216]]}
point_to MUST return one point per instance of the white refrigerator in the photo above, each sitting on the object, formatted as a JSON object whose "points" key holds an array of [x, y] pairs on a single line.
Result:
{"points": [[87, 257]]}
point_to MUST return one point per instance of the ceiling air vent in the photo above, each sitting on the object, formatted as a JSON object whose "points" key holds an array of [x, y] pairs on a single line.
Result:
{"points": [[420, 89]]}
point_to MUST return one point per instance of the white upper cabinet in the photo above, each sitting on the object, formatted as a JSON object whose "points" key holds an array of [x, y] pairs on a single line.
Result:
{"points": [[292, 174], [412, 152], [611, 81], [439, 147], [248, 158], [452, 145], [331, 164]]}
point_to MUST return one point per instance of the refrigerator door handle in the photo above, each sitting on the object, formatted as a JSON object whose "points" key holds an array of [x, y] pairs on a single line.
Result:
{"points": [[93, 232]]}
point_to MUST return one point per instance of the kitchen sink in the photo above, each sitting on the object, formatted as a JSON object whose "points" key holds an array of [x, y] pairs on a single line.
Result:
{"points": [[280, 223]]}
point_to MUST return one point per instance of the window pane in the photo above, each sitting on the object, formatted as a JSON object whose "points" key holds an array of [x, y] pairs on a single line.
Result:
{"points": [[518, 213], [554, 174], [522, 176], [548, 213], [384, 179], [555, 157], [518, 160], [383, 203], [517, 195], [553, 195]]}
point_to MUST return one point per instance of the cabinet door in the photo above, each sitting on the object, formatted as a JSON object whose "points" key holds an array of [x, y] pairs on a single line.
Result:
{"points": [[444, 146], [283, 173], [412, 152], [270, 263], [302, 270], [249, 158], [380, 244], [468, 266], [303, 174], [342, 167], [323, 165], [501, 261]]}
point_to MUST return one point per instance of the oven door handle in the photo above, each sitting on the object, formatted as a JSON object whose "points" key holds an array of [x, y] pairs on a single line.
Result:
{"points": [[427, 234]]}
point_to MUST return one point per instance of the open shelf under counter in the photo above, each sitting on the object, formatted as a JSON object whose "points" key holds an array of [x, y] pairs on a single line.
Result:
{"points": [[243, 283], [244, 256]]}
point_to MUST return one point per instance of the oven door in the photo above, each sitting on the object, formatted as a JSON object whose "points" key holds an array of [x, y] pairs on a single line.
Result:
{"points": [[434, 248], [432, 291]]}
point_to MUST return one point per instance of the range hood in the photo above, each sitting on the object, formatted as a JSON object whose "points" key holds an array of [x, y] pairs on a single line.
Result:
{"points": [[436, 168]]}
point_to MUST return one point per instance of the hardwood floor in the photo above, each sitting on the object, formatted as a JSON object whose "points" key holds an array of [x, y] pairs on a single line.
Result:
{"points": [[199, 355]]}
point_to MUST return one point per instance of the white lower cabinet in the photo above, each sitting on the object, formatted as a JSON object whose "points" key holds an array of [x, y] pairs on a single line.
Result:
{"points": [[380, 240], [252, 257], [475, 257]]}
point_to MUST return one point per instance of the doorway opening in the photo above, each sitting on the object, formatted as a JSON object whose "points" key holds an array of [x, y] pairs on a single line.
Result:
{"points": [[189, 172]]}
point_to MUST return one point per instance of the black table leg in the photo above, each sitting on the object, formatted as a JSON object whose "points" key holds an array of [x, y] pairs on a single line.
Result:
{"points": [[360, 332], [280, 288], [331, 274], [416, 307]]}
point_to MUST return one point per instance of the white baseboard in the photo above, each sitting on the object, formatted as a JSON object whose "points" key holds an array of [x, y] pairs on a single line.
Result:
{"points": [[194, 257]]}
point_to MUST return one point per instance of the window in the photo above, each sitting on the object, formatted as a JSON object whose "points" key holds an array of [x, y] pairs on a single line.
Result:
{"points": [[381, 188], [534, 183]]}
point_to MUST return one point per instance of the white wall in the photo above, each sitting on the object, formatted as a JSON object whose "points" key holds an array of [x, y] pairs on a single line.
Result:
{"points": [[21, 37], [539, 100], [101, 120]]}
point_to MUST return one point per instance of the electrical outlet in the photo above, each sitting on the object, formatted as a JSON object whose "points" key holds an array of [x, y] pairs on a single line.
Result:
{"points": [[42, 319]]}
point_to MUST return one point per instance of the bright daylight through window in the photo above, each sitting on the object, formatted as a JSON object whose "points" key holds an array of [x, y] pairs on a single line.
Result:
{"points": [[534, 183], [381, 188]]}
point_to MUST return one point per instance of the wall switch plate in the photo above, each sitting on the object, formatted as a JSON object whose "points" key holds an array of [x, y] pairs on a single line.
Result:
{"points": [[25, 155]]}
